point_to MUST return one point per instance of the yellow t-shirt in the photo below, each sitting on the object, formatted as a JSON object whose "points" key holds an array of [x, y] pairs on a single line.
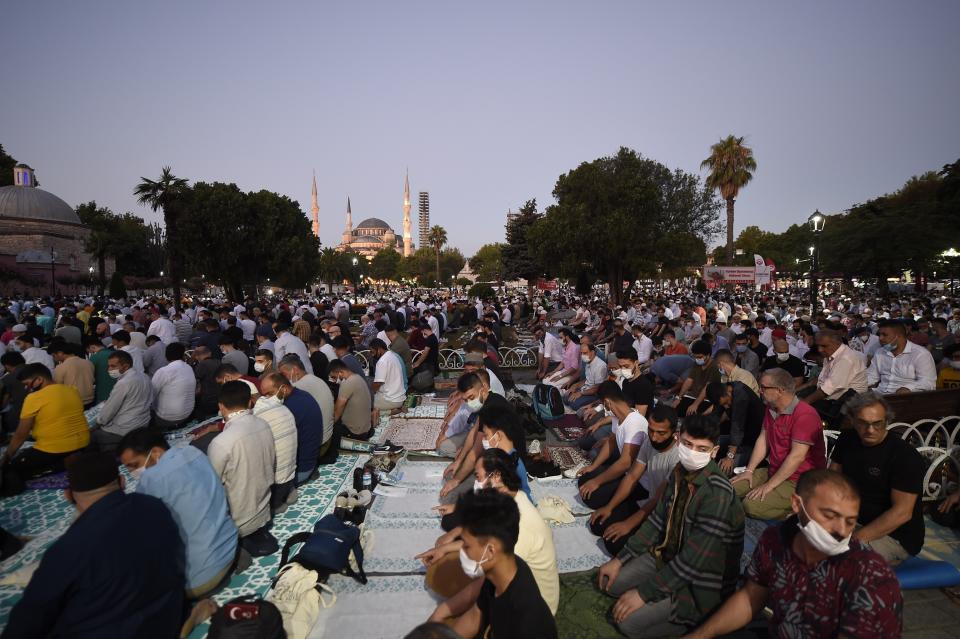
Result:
{"points": [[948, 378], [535, 547], [59, 425]]}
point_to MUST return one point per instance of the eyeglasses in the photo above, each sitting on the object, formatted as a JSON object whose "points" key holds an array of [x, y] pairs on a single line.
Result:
{"points": [[769, 388], [865, 425]]}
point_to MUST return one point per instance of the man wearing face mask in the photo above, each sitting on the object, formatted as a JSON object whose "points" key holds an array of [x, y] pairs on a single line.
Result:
{"points": [[595, 374], [792, 443], [730, 372], [474, 393], [351, 412], [704, 371], [746, 358], [127, 408], [183, 479], [900, 366], [244, 457], [509, 605], [783, 358], [53, 415], [142, 570], [263, 363], [306, 414], [685, 558], [283, 425], [818, 581]]}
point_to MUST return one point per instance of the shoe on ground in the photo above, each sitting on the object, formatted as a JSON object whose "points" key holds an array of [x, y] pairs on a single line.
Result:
{"points": [[534, 447], [571, 473], [388, 448], [364, 498]]}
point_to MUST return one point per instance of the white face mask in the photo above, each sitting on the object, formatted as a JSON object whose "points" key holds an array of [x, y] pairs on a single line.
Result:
{"points": [[265, 403], [955, 364], [693, 460], [471, 568], [822, 540], [259, 367], [473, 405], [584, 359], [782, 357], [478, 485], [114, 373], [137, 473], [623, 373], [486, 444]]}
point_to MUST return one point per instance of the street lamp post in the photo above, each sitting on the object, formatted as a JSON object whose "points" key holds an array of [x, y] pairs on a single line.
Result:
{"points": [[53, 273], [90, 270], [816, 221]]}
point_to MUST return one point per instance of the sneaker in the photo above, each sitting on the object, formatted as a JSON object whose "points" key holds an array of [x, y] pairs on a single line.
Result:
{"points": [[534, 447], [571, 473], [387, 448]]}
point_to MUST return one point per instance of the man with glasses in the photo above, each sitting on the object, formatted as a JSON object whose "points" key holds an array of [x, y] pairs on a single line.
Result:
{"points": [[792, 443], [888, 472]]}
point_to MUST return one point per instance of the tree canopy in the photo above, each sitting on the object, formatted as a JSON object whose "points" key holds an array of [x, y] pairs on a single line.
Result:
{"points": [[487, 263], [519, 257], [731, 164]]}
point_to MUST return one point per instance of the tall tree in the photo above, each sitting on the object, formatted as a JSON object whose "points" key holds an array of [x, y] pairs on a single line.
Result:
{"points": [[6, 168], [731, 166], [519, 258], [333, 266], [169, 194], [617, 216], [385, 264], [488, 263], [437, 238]]}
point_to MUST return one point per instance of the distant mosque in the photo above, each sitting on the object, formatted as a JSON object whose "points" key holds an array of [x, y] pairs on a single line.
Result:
{"points": [[372, 234]]}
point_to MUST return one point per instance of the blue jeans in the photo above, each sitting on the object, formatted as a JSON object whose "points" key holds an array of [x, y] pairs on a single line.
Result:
{"points": [[587, 442], [582, 401], [303, 476]]}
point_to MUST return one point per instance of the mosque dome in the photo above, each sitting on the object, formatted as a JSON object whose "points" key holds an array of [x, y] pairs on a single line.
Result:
{"points": [[373, 223], [24, 200]]}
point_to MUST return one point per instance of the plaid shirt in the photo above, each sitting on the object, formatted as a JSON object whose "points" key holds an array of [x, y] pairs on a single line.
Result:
{"points": [[705, 570], [301, 328]]}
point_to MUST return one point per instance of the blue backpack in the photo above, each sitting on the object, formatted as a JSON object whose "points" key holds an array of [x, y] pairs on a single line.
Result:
{"points": [[547, 402], [327, 549]]}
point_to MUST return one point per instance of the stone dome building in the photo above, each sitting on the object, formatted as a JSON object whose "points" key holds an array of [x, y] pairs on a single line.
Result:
{"points": [[41, 240], [368, 237]]}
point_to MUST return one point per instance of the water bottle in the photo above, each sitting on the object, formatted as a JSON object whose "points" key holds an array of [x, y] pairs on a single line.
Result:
{"points": [[367, 479]]}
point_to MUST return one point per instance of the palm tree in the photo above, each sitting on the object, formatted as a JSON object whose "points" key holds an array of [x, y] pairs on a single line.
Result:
{"points": [[437, 238], [167, 193], [331, 266], [731, 167]]}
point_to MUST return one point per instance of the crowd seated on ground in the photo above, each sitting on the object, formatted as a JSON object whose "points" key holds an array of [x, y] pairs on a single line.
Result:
{"points": [[700, 410]]}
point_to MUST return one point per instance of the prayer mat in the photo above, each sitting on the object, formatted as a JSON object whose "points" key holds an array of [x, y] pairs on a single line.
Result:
{"points": [[394, 543], [413, 433], [418, 503], [421, 474], [577, 548], [54, 481], [568, 456], [567, 428], [412, 401], [584, 611], [384, 608]]}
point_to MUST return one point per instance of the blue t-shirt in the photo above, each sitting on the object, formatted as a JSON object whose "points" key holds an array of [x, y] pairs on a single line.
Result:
{"points": [[309, 419], [184, 480], [522, 472]]}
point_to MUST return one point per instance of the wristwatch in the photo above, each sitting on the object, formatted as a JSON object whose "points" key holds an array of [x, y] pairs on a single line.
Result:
{"points": [[731, 455]]}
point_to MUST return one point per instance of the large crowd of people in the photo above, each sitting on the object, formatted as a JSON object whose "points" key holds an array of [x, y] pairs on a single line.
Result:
{"points": [[699, 409]]}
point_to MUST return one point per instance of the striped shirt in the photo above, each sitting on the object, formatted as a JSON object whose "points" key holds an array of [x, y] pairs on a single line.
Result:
{"points": [[284, 428], [705, 569]]}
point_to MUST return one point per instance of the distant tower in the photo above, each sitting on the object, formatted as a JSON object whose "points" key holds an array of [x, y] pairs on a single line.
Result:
{"points": [[349, 230], [314, 207], [407, 234], [424, 218]]}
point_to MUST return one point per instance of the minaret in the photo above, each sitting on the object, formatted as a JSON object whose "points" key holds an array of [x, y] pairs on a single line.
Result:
{"points": [[349, 230], [407, 235], [314, 207]]}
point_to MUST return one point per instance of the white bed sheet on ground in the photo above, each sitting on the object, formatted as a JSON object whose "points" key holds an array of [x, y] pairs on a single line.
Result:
{"points": [[395, 543], [384, 608], [566, 489]]}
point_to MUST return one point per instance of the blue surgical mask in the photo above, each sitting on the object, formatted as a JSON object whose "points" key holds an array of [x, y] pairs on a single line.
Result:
{"points": [[700, 361], [892, 346], [741, 348]]}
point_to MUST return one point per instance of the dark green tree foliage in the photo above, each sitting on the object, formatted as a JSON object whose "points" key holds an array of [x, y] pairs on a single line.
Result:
{"points": [[171, 195], [487, 264], [621, 215], [385, 264], [421, 266], [6, 168], [519, 258], [126, 238], [242, 239], [482, 290]]}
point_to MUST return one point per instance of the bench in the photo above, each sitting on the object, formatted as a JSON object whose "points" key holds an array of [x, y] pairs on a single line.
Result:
{"points": [[925, 405]]}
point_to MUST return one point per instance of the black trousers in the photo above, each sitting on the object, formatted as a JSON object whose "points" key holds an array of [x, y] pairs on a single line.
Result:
{"points": [[30, 463], [627, 508], [604, 493]]}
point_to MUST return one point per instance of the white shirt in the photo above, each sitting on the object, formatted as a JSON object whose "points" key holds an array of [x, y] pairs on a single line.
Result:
{"points": [[34, 355], [434, 325], [244, 458], [249, 328], [766, 337], [319, 390], [552, 347], [390, 373], [496, 386], [138, 340], [633, 430], [136, 354], [284, 427], [174, 391], [847, 369], [164, 329], [644, 347], [287, 343], [507, 315], [912, 369]]}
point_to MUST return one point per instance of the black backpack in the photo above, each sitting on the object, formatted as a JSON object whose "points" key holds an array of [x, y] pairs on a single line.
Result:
{"points": [[247, 617], [547, 402]]}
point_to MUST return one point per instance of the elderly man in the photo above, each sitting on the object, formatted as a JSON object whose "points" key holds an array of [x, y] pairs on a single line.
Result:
{"points": [[128, 406], [888, 472], [596, 374], [900, 366], [293, 369], [731, 372], [843, 375], [783, 358], [287, 342], [792, 443]]}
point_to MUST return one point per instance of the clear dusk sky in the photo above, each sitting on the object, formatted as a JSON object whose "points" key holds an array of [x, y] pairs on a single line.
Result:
{"points": [[485, 102]]}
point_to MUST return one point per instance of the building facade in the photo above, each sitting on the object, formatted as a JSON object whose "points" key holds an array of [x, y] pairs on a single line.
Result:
{"points": [[42, 241]]}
